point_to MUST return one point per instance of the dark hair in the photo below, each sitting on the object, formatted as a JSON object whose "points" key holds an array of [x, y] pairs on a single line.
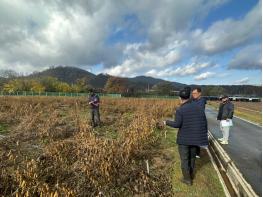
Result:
{"points": [[185, 93], [223, 97], [198, 89]]}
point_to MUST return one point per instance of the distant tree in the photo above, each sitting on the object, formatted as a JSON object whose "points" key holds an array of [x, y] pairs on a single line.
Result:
{"points": [[37, 86], [50, 83], [83, 84], [213, 91], [23, 85], [8, 73], [116, 85], [63, 87], [76, 88], [164, 88], [12, 86]]}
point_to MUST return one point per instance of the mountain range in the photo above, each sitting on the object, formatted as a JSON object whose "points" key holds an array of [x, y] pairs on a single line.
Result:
{"points": [[72, 74]]}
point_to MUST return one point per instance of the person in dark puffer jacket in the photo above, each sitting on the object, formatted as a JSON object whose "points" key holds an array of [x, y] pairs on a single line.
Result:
{"points": [[201, 101], [94, 102], [225, 113], [192, 124]]}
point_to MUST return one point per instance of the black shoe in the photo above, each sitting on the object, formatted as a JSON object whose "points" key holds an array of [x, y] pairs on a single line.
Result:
{"points": [[186, 177], [187, 182]]}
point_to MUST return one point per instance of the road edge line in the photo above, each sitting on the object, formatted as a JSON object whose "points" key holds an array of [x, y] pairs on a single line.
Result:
{"points": [[254, 123], [240, 186]]}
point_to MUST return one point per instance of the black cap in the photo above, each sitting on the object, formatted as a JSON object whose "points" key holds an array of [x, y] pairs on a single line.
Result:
{"points": [[185, 93]]}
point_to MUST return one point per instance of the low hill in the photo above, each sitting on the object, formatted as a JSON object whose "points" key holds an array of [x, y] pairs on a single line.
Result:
{"points": [[65, 74]]}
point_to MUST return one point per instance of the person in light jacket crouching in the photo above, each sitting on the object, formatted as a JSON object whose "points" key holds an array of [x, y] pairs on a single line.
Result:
{"points": [[192, 124], [225, 115]]}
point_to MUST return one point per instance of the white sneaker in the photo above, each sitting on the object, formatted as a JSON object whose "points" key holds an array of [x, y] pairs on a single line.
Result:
{"points": [[197, 156], [224, 142], [221, 139]]}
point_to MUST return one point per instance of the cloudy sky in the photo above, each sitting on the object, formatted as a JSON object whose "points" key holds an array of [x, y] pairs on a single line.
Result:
{"points": [[191, 41]]}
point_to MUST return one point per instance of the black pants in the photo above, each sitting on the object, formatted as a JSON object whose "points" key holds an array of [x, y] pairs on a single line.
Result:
{"points": [[95, 116], [187, 155]]}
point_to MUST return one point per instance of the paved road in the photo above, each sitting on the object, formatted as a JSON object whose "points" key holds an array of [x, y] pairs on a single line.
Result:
{"points": [[244, 148]]}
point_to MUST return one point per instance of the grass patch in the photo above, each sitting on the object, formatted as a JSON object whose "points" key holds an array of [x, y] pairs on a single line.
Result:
{"points": [[249, 116], [3, 128], [206, 182], [107, 132]]}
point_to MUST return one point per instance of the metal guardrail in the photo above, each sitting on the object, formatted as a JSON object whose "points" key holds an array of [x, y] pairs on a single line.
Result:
{"points": [[234, 180]]}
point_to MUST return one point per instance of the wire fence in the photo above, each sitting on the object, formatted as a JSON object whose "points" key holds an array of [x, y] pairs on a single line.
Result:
{"points": [[156, 97], [74, 94], [68, 94]]}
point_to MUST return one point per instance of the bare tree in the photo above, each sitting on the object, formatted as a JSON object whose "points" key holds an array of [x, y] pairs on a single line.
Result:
{"points": [[8, 73]]}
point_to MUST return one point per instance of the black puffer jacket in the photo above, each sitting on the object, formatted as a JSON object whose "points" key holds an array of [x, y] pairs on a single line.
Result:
{"points": [[226, 111], [191, 120]]}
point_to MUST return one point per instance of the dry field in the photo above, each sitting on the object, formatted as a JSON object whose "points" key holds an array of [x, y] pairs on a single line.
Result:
{"points": [[48, 148]]}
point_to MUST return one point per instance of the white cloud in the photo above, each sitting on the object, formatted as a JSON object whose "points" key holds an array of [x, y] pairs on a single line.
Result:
{"points": [[38, 34], [21, 69], [204, 76], [192, 68], [221, 36], [163, 19], [69, 36], [46, 33], [140, 58], [242, 81], [229, 33], [185, 70], [247, 58]]}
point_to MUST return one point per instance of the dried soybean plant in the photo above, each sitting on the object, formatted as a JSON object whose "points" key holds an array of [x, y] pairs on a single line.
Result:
{"points": [[71, 158]]}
